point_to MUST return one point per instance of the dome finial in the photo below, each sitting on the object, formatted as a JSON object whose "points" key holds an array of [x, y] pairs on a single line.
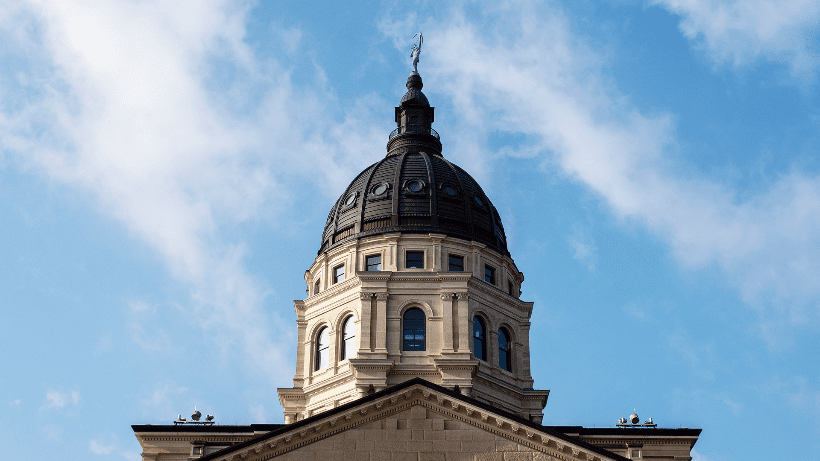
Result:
{"points": [[416, 51]]}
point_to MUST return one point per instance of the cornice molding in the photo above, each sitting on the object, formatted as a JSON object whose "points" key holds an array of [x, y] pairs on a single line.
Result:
{"points": [[331, 292], [399, 401]]}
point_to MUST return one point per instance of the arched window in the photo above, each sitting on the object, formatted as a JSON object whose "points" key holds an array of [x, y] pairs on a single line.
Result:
{"points": [[348, 338], [504, 350], [479, 339], [322, 348], [415, 330]]}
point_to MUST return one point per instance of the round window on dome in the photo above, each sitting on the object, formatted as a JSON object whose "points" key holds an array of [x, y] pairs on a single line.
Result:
{"points": [[380, 189], [415, 186], [450, 191], [351, 199], [478, 201]]}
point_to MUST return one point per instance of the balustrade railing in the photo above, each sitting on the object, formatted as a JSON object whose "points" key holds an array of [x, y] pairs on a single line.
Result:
{"points": [[414, 129]]}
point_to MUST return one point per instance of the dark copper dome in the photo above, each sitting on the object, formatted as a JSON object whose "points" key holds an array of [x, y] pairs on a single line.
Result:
{"points": [[414, 189]]}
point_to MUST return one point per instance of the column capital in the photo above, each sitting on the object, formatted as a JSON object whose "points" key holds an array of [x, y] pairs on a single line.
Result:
{"points": [[446, 296], [382, 296], [365, 295], [462, 295]]}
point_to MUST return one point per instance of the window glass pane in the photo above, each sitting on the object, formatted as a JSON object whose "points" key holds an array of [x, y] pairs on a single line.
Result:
{"points": [[374, 263], [322, 348], [338, 274], [414, 330], [456, 263], [479, 342], [415, 259], [504, 355], [349, 345], [348, 338], [489, 274]]}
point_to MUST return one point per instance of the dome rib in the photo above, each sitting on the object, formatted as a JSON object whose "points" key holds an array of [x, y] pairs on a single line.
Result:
{"points": [[423, 192]]}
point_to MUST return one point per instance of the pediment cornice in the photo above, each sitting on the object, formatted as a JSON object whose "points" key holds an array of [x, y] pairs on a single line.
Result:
{"points": [[400, 398]]}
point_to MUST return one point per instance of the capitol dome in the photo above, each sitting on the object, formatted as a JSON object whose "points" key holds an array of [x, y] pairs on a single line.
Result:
{"points": [[414, 189]]}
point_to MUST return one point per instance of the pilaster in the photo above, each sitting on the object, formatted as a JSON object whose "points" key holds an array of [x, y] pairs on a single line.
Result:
{"points": [[365, 303], [447, 313], [381, 325]]}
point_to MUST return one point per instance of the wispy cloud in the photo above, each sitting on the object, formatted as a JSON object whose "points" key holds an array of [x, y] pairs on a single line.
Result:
{"points": [[53, 432], [163, 403], [127, 102], [59, 399], [102, 447], [525, 73], [99, 447], [582, 246], [739, 32]]}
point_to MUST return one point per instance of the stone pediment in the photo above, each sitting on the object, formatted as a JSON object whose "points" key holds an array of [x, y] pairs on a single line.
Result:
{"points": [[422, 421]]}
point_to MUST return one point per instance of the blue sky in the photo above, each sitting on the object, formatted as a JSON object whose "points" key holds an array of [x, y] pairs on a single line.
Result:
{"points": [[166, 169]]}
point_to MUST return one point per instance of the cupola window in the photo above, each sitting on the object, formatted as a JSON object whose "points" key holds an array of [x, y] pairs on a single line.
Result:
{"points": [[415, 330], [322, 348], [316, 287], [373, 263], [348, 338], [479, 339], [489, 274], [504, 350], [380, 189], [456, 263], [339, 273], [414, 260], [416, 185]]}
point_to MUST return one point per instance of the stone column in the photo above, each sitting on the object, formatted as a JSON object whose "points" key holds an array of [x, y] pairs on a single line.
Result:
{"points": [[448, 327], [364, 323], [380, 314]]}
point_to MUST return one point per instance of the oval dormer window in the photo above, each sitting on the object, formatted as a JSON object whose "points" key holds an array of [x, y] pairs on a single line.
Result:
{"points": [[381, 189], [415, 185], [450, 191], [351, 199], [478, 201]]}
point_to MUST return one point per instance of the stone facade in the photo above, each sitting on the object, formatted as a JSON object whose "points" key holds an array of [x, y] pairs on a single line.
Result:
{"points": [[377, 301], [418, 420]]}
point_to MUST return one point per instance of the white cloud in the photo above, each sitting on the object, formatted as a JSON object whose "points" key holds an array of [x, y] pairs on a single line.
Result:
{"points": [[258, 414], [99, 447], [741, 31], [697, 456], [163, 402], [53, 432], [525, 73], [126, 102], [583, 247], [58, 399]]}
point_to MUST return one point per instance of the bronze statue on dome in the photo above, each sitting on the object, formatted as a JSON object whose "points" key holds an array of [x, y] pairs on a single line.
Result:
{"points": [[416, 51]]}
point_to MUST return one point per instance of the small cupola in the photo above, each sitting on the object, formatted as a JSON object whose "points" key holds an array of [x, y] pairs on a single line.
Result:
{"points": [[414, 119]]}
